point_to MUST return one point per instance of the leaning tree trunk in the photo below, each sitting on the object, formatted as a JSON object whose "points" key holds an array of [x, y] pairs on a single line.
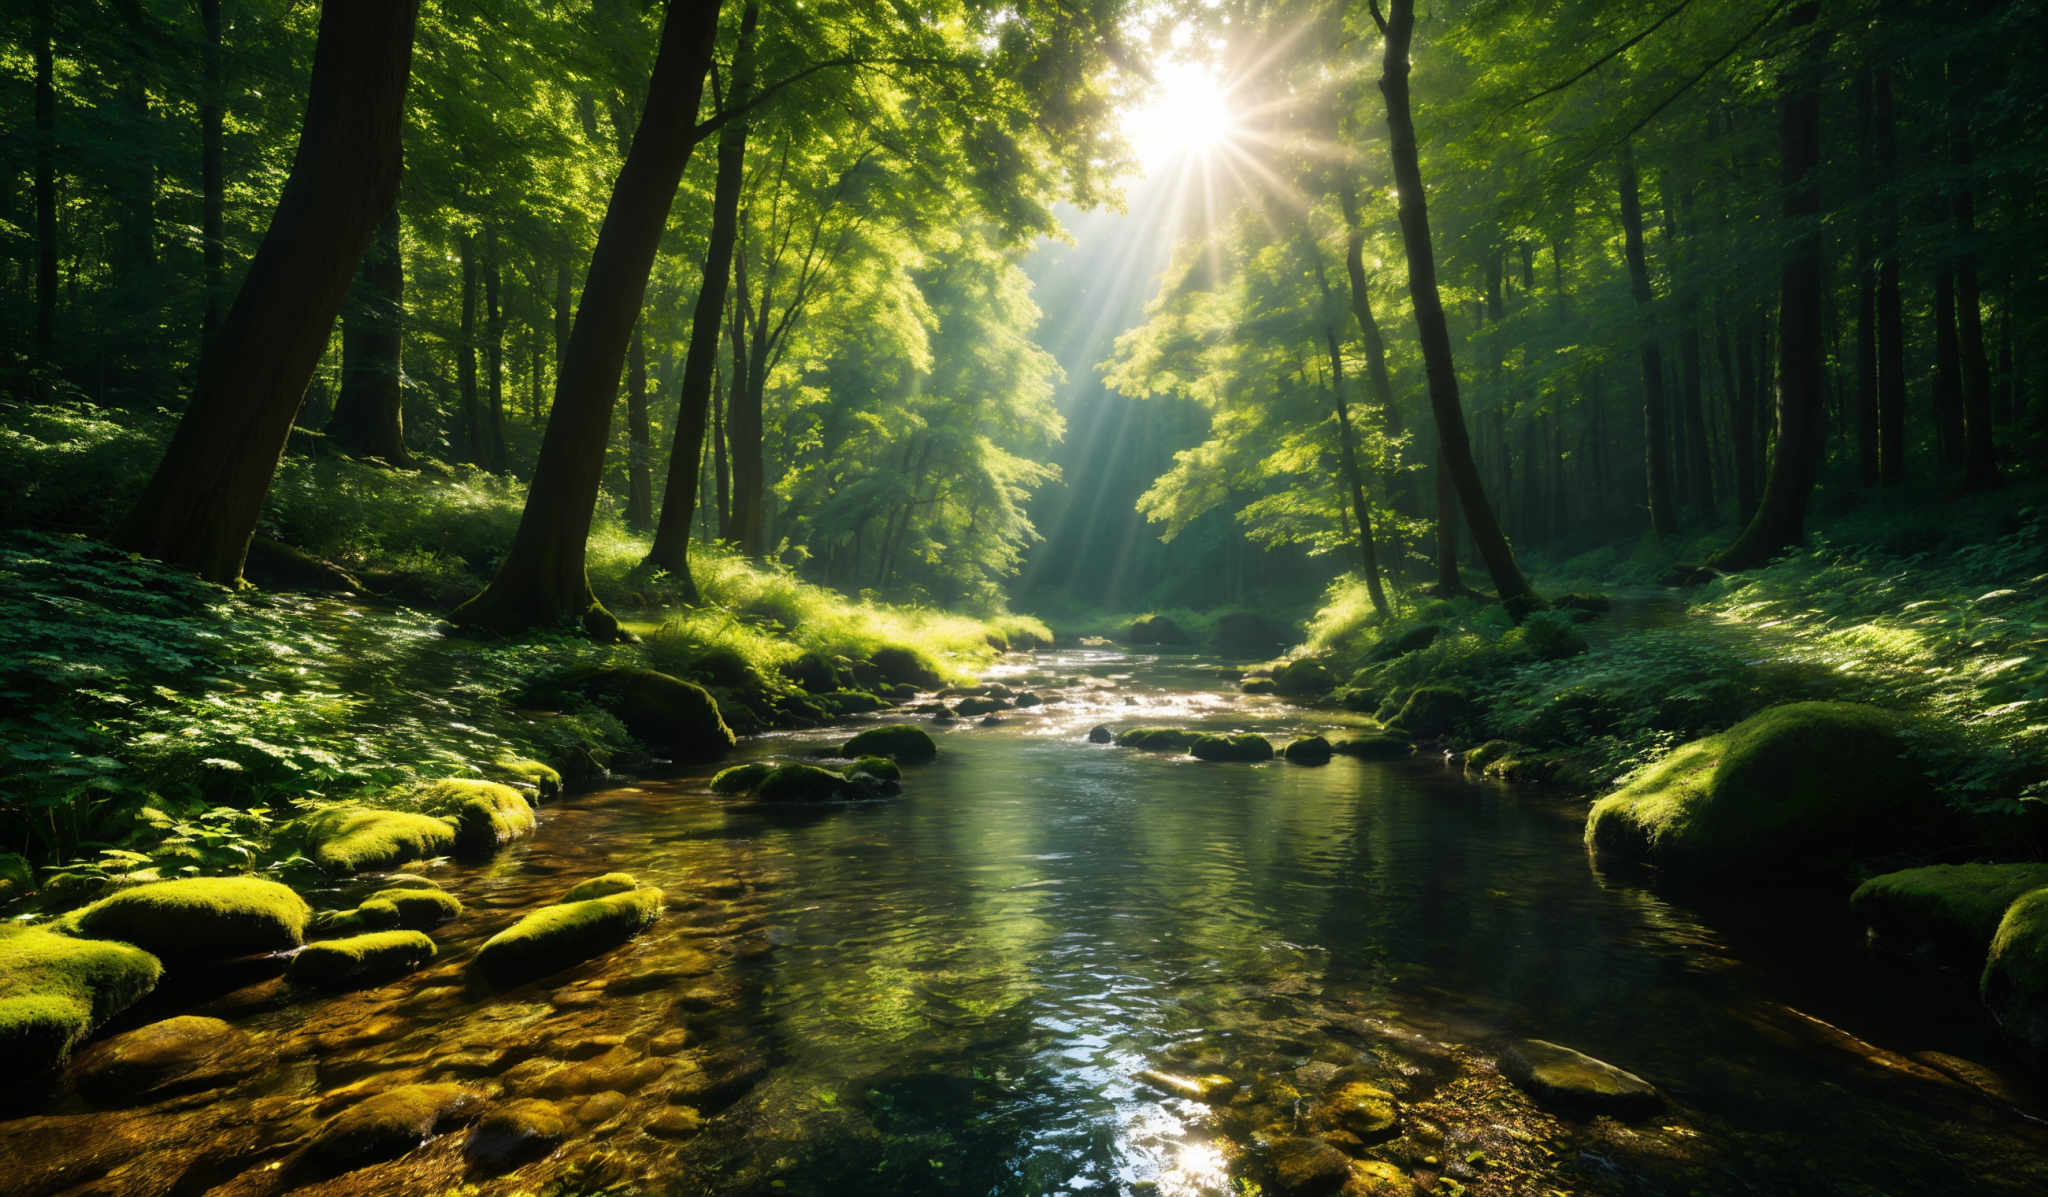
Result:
{"points": [[1656, 417], [671, 551], [369, 418], [1780, 520], [201, 506], [1433, 331], [542, 580]]}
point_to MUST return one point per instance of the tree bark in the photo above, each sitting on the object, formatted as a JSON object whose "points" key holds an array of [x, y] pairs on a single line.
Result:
{"points": [[494, 356], [369, 414], [671, 551], [1347, 449], [542, 580], [1868, 464], [1948, 370], [1980, 455], [736, 336], [1891, 322], [743, 436], [46, 199], [465, 361], [639, 438], [212, 174], [1656, 418], [1433, 331], [201, 506], [1780, 520], [1376, 374]]}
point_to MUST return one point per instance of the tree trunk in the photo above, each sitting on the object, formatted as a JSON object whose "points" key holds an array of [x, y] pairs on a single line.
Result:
{"points": [[1656, 419], [1347, 449], [46, 200], [1980, 456], [201, 506], [494, 356], [671, 549], [1948, 370], [1780, 520], [542, 580], [1376, 373], [1891, 322], [465, 362], [369, 415], [212, 177], [736, 334], [1868, 464], [639, 438], [1431, 328]]}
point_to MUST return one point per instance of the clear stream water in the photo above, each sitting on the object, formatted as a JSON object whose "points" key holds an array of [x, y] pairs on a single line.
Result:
{"points": [[960, 991]]}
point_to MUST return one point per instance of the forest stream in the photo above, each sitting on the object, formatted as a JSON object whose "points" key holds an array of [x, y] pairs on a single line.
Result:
{"points": [[1052, 965]]}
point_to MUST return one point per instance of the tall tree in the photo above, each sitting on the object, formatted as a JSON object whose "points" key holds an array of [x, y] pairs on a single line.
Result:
{"points": [[639, 438], [200, 508], [46, 195], [212, 172], [1656, 415], [1980, 456], [497, 455], [369, 413], [1891, 322], [542, 579], [1397, 25]]}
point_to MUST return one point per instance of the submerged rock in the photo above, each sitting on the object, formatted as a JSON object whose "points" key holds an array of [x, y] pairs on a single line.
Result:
{"points": [[1244, 746], [2015, 981], [1559, 1076], [1361, 1111], [1101, 735], [385, 1127], [360, 960], [1377, 1178], [516, 1133], [1807, 786], [1315, 750], [55, 990], [569, 932], [198, 917], [900, 742], [1305, 1166], [1201, 1088], [1378, 746], [354, 839], [186, 1054]]}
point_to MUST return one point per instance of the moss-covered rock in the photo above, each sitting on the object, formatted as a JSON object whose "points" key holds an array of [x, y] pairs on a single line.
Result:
{"points": [[1306, 678], [881, 768], [55, 990], [850, 702], [515, 1133], [1358, 1113], [1943, 914], [17, 879], [486, 814], [385, 1127], [1245, 746], [416, 909], [903, 743], [1433, 711], [360, 960], [555, 937], [970, 707], [816, 672], [1486, 754], [603, 885], [186, 1054], [2014, 984], [1306, 1167], [1413, 638], [1387, 745], [1807, 786], [354, 839], [1559, 1076], [1315, 750], [741, 779], [1156, 739], [1259, 685], [902, 665], [804, 783], [545, 780], [665, 713], [1156, 629], [198, 917]]}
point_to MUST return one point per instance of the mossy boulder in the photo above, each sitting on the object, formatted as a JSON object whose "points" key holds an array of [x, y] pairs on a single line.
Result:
{"points": [[902, 665], [385, 1127], [16, 877], [803, 783], [486, 814], [198, 917], [850, 702], [1156, 629], [1248, 634], [1807, 787], [903, 743], [1407, 640], [1315, 750], [665, 713], [360, 960], [1387, 745], [1486, 754], [1567, 1079], [881, 768], [415, 909], [604, 885], [1156, 739], [355, 839], [1434, 711], [1306, 1167], [741, 779], [1304, 678], [2014, 984], [545, 780], [518, 1132], [555, 937], [970, 707], [1943, 914], [1244, 746], [55, 990], [1259, 685]]}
